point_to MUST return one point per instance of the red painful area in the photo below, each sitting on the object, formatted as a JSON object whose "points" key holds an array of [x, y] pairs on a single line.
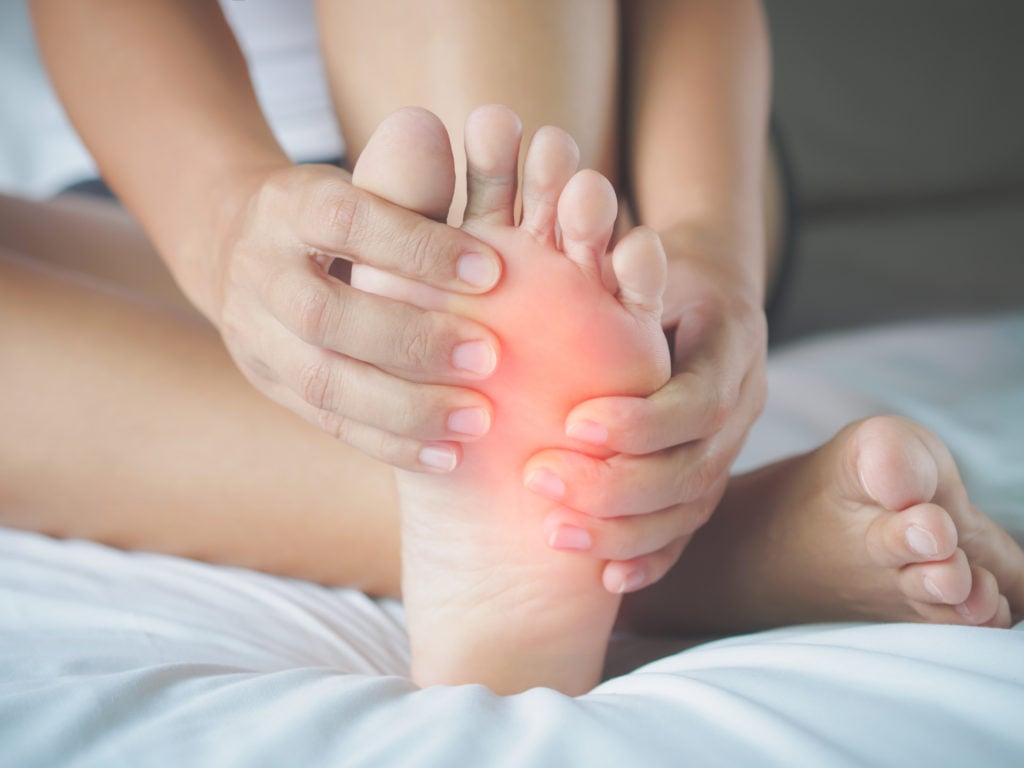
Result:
{"points": [[564, 339]]}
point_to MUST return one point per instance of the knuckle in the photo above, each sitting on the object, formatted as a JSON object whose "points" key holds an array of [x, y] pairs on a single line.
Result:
{"points": [[624, 540], [310, 309], [423, 250], [421, 340], [342, 213], [415, 344], [718, 406], [414, 416], [332, 424], [316, 384], [625, 419]]}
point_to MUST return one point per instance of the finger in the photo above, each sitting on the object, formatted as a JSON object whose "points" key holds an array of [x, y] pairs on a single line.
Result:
{"points": [[622, 577], [331, 215], [436, 457], [687, 408], [335, 384], [416, 344], [493, 133], [693, 405], [628, 485], [617, 538]]}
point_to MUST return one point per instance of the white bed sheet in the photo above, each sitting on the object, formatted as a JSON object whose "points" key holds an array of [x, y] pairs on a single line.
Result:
{"points": [[110, 658]]}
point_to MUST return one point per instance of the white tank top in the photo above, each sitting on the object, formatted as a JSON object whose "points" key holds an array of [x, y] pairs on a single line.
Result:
{"points": [[40, 153]]}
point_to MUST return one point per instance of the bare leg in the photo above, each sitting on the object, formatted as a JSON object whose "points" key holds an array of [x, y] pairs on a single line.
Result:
{"points": [[126, 422], [566, 75], [874, 525]]}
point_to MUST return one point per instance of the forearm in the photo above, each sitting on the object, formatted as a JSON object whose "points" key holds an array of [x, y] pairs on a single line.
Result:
{"points": [[160, 93], [697, 99]]}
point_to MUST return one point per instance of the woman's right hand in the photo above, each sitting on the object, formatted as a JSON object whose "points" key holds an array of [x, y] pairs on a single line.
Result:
{"points": [[383, 376]]}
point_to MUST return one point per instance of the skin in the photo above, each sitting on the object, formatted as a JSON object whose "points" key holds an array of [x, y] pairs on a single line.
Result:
{"points": [[487, 601], [249, 237], [109, 439], [695, 175]]}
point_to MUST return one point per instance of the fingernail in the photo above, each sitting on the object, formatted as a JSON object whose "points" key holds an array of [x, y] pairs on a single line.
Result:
{"points": [[934, 590], [632, 580], [475, 357], [587, 431], [469, 421], [546, 484], [921, 541], [438, 457], [570, 537], [478, 270]]}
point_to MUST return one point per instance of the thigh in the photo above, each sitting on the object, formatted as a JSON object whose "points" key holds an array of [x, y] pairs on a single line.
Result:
{"points": [[90, 235], [125, 421]]}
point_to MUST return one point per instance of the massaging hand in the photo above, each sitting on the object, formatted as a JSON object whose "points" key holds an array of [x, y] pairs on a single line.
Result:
{"points": [[386, 377], [674, 448]]}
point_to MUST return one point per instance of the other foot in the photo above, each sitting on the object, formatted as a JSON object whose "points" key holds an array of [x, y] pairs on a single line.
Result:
{"points": [[876, 525]]}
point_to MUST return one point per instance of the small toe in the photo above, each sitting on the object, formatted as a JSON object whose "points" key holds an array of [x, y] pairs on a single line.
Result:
{"points": [[493, 134], [921, 533], [983, 603], [586, 215], [551, 160], [1003, 618], [640, 271], [939, 583]]}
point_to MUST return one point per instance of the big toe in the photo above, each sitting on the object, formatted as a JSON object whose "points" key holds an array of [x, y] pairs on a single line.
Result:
{"points": [[892, 465], [408, 161]]}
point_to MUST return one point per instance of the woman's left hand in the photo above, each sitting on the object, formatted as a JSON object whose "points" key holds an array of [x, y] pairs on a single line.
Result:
{"points": [[639, 508]]}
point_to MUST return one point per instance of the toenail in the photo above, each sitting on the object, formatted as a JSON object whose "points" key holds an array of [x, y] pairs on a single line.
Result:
{"points": [[588, 432], [475, 357], [469, 421], [438, 457], [478, 270], [546, 484], [570, 537], [934, 590], [964, 611], [922, 542], [632, 581]]}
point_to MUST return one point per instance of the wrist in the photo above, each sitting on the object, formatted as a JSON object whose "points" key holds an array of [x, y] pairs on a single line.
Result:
{"points": [[211, 224], [721, 262]]}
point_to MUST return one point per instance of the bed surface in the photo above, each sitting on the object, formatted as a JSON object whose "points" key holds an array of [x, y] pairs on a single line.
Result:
{"points": [[110, 658]]}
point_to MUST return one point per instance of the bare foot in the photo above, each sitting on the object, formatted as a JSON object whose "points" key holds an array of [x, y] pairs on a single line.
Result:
{"points": [[875, 525], [487, 600]]}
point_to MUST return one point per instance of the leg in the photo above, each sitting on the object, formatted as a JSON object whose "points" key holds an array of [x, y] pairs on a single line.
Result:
{"points": [[476, 56], [126, 422], [875, 524], [486, 599], [91, 236]]}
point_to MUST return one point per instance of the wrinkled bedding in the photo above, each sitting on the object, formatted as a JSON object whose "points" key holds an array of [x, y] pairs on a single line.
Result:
{"points": [[110, 658]]}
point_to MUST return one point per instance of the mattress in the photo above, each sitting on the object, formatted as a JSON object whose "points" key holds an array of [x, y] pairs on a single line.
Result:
{"points": [[111, 658]]}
